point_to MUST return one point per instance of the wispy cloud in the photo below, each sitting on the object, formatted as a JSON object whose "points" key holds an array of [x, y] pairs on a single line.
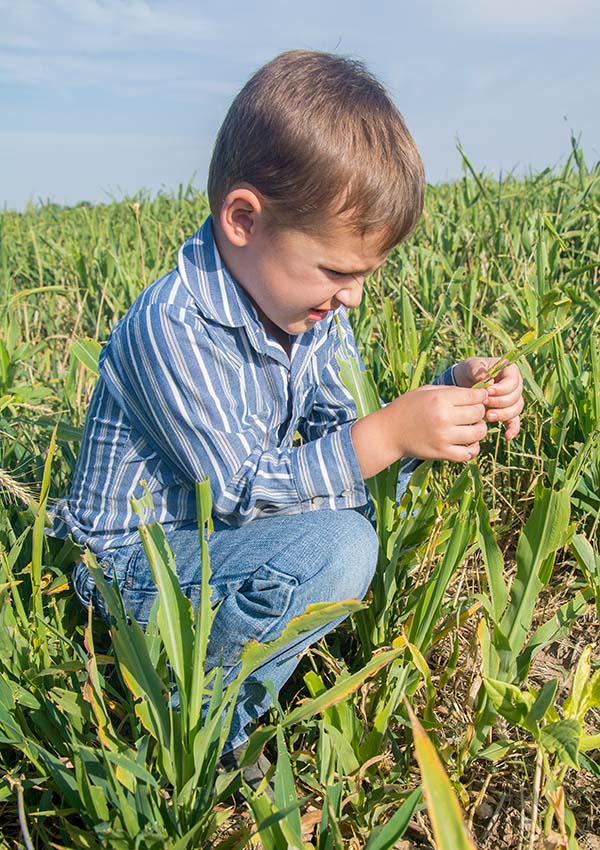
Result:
{"points": [[100, 25], [131, 76], [131, 47]]}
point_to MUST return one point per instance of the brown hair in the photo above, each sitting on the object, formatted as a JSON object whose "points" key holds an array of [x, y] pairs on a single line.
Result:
{"points": [[317, 134]]}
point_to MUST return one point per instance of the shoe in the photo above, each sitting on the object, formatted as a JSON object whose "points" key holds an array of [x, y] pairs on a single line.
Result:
{"points": [[254, 774]]}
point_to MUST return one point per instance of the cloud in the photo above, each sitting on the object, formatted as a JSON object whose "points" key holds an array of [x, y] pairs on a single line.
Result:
{"points": [[127, 47], [101, 25], [123, 75]]}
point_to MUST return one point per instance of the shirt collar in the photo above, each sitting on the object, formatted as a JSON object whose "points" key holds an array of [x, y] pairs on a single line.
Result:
{"points": [[217, 294], [221, 299]]}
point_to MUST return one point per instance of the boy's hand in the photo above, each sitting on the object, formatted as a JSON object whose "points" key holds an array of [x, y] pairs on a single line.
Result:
{"points": [[431, 422], [505, 394], [441, 423]]}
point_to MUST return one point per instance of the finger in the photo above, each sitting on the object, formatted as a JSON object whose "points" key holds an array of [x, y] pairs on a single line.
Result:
{"points": [[468, 414], [506, 400], [463, 454], [512, 428], [473, 450], [464, 435], [507, 413], [509, 378], [463, 396]]}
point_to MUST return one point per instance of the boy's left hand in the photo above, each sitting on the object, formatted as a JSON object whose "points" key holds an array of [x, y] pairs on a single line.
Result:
{"points": [[505, 394]]}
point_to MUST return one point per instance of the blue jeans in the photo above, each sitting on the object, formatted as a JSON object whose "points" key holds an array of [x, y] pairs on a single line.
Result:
{"points": [[263, 574]]}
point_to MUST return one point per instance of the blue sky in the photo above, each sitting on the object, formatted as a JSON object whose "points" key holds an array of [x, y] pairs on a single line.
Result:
{"points": [[101, 98]]}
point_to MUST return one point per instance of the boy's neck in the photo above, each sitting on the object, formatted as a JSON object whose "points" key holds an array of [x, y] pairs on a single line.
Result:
{"points": [[270, 327], [272, 330], [284, 339]]}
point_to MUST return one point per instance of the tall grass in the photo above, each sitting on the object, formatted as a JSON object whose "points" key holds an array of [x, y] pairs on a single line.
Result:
{"points": [[486, 574]]}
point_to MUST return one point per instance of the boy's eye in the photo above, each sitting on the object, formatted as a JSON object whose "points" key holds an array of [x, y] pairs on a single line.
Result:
{"points": [[333, 273]]}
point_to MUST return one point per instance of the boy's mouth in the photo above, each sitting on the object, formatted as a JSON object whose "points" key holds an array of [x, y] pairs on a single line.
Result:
{"points": [[317, 315]]}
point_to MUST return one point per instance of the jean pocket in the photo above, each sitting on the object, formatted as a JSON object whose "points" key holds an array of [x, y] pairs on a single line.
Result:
{"points": [[256, 609]]}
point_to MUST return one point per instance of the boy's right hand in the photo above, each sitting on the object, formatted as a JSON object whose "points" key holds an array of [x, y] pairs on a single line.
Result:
{"points": [[432, 422], [440, 422]]}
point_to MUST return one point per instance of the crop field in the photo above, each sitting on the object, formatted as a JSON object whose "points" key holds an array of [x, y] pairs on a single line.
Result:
{"points": [[459, 707]]}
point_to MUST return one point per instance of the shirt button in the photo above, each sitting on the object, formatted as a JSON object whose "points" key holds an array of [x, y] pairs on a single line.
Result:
{"points": [[346, 493], [318, 500]]}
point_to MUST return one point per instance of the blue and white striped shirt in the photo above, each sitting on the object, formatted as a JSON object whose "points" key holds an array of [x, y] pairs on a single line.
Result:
{"points": [[190, 386]]}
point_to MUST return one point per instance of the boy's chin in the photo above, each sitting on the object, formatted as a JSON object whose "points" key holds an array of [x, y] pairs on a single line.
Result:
{"points": [[313, 318]]}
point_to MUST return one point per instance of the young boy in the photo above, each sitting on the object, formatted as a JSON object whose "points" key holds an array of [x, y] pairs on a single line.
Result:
{"points": [[217, 365]]}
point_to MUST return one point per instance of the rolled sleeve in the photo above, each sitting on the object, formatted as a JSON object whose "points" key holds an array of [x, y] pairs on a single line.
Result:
{"points": [[327, 474]]}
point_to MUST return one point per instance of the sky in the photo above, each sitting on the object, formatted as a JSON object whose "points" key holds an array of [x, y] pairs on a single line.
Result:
{"points": [[100, 99]]}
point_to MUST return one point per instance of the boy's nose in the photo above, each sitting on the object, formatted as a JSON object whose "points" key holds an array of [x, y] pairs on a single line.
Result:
{"points": [[350, 295]]}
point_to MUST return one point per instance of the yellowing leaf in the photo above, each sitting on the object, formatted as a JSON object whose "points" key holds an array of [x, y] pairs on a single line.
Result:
{"points": [[442, 804]]}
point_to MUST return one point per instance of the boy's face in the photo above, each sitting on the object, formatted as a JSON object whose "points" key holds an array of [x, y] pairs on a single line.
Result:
{"points": [[296, 279]]}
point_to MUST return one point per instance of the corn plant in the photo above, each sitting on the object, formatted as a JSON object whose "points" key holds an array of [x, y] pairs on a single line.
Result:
{"points": [[559, 735]]}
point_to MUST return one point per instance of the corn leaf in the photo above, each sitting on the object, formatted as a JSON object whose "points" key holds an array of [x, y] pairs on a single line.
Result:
{"points": [[442, 805], [544, 533], [385, 837]]}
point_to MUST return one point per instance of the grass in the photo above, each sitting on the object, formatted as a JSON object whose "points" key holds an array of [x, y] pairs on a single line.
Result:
{"points": [[474, 669]]}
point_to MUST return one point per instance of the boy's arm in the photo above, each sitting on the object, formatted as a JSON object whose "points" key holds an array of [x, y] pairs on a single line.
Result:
{"points": [[443, 420], [188, 400], [388, 435], [431, 422]]}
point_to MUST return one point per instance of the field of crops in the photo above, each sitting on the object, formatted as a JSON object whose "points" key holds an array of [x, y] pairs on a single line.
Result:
{"points": [[468, 686]]}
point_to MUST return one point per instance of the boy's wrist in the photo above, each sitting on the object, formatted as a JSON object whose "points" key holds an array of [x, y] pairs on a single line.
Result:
{"points": [[377, 439]]}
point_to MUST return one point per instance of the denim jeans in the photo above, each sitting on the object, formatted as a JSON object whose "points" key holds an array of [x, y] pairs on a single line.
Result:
{"points": [[263, 574]]}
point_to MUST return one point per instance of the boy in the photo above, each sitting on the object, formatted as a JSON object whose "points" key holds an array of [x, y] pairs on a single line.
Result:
{"points": [[217, 365]]}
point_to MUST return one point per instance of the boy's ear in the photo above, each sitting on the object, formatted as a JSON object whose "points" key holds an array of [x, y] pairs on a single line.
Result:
{"points": [[240, 212]]}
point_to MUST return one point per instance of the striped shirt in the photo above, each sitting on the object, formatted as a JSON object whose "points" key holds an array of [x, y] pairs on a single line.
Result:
{"points": [[191, 385]]}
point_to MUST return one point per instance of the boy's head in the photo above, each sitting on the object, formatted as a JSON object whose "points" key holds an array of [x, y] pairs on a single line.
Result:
{"points": [[318, 137]]}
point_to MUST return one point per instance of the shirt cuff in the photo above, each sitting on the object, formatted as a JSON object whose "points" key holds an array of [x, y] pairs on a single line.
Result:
{"points": [[446, 379], [327, 474]]}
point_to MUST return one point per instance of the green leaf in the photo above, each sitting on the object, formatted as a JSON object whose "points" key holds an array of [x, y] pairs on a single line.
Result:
{"points": [[136, 667], [509, 701], [555, 629], [359, 383], [563, 738], [285, 795], [343, 749], [87, 351], [174, 615], [255, 654], [545, 532], [588, 562], [589, 742], [576, 703], [432, 594], [268, 822], [593, 700], [345, 686], [496, 751], [542, 703], [385, 837], [492, 556], [205, 614]]}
